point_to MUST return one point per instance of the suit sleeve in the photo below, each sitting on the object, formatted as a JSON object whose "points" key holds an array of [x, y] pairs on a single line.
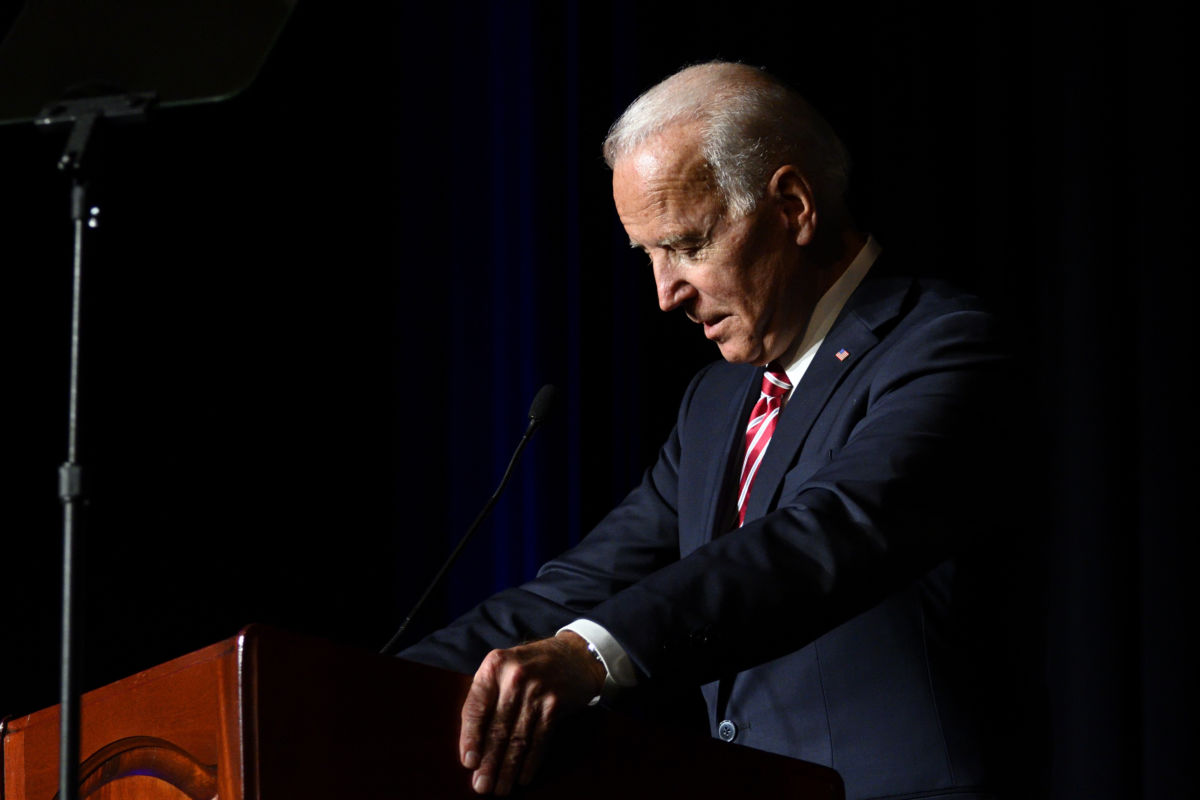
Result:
{"points": [[893, 499]]}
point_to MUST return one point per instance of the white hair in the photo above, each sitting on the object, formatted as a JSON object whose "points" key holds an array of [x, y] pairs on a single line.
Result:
{"points": [[750, 124]]}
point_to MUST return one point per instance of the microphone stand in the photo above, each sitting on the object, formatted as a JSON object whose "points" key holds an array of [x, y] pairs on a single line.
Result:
{"points": [[539, 409]]}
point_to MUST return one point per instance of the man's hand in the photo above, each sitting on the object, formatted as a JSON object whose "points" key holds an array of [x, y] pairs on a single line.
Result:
{"points": [[515, 700]]}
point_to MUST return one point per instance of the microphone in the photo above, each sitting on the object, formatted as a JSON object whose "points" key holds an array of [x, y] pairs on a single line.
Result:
{"points": [[542, 405], [539, 410]]}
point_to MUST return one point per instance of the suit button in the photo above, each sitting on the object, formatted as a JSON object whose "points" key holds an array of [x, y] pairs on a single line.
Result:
{"points": [[726, 731]]}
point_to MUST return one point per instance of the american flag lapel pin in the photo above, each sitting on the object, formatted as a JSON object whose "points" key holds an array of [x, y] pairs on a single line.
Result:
{"points": [[842, 354]]}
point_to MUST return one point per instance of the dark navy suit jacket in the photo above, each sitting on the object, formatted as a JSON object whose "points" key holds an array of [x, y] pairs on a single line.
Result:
{"points": [[831, 625]]}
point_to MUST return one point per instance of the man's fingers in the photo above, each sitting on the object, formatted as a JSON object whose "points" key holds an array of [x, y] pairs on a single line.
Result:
{"points": [[505, 719], [476, 713], [538, 742], [526, 736], [496, 743]]}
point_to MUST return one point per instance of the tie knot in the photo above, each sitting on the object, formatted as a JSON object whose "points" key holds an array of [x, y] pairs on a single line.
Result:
{"points": [[775, 383]]}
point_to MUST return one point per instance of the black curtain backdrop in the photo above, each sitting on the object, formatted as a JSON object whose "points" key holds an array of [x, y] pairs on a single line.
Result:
{"points": [[316, 314]]}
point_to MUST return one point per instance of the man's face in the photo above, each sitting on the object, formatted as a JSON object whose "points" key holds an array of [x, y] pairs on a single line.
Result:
{"points": [[739, 278]]}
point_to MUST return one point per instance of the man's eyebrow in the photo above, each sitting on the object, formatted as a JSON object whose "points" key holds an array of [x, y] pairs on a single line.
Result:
{"points": [[674, 240]]}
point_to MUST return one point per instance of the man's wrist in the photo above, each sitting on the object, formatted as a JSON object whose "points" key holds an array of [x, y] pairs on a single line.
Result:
{"points": [[621, 674], [606, 649], [591, 658]]}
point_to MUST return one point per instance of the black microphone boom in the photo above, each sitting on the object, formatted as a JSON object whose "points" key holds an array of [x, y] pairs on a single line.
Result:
{"points": [[539, 409]]}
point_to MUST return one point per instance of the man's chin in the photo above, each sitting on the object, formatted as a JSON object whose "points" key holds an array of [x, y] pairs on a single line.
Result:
{"points": [[735, 354], [739, 349]]}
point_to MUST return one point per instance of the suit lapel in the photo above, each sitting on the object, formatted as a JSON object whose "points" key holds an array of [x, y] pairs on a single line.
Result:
{"points": [[719, 514], [853, 335]]}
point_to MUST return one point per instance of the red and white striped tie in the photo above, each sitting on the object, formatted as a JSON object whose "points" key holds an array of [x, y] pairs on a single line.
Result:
{"points": [[775, 387]]}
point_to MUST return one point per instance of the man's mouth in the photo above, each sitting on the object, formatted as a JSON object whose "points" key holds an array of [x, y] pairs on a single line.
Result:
{"points": [[712, 325]]}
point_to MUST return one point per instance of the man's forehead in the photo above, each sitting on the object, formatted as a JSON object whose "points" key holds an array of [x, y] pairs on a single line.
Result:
{"points": [[661, 172], [671, 154], [648, 161]]}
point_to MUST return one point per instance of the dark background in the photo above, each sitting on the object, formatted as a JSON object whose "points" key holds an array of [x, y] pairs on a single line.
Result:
{"points": [[315, 316]]}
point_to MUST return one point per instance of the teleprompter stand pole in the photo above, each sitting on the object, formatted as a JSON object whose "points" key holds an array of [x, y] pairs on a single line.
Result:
{"points": [[83, 117], [80, 66]]}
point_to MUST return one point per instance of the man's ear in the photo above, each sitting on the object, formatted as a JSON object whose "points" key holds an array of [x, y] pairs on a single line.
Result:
{"points": [[793, 194]]}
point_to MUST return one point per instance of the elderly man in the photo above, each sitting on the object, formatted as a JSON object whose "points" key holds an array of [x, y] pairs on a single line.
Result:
{"points": [[792, 551]]}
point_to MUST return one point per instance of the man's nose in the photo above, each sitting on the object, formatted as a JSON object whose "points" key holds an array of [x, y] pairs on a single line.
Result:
{"points": [[672, 289]]}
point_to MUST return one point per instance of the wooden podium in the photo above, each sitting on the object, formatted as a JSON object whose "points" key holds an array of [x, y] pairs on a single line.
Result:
{"points": [[271, 715]]}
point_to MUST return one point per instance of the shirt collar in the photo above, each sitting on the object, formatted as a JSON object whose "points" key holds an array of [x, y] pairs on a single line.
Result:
{"points": [[829, 306]]}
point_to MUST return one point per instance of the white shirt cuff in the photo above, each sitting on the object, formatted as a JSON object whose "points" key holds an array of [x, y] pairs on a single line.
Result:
{"points": [[617, 666]]}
